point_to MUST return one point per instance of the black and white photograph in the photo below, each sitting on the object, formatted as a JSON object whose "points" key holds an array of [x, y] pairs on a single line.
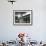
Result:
{"points": [[22, 16]]}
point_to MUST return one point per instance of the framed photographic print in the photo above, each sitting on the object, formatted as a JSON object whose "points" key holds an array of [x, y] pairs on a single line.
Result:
{"points": [[22, 17]]}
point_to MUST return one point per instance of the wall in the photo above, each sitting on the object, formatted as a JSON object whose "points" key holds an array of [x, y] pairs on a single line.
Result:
{"points": [[37, 31]]}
